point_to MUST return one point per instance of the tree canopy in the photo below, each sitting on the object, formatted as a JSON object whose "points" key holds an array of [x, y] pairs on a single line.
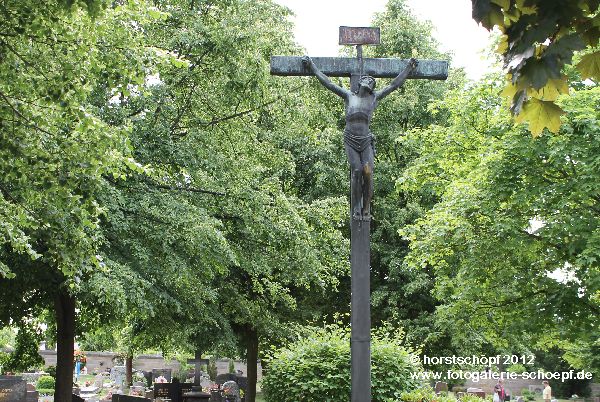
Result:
{"points": [[512, 240]]}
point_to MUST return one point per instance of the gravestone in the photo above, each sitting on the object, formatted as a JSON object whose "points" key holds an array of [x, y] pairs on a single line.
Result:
{"points": [[215, 395], [129, 398], [520, 399], [171, 390], [87, 392], [12, 389], [77, 398], [32, 394], [197, 395], [162, 390], [117, 375], [535, 388], [476, 391], [441, 387], [231, 392], [164, 372]]}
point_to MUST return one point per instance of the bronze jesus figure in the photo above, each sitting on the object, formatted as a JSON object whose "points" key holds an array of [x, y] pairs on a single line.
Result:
{"points": [[358, 139]]}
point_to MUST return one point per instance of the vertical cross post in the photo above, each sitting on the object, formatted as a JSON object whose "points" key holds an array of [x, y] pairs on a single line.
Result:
{"points": [[360, 253]]}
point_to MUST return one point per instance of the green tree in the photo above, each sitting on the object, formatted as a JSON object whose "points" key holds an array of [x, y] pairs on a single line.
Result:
{"points": [[224, 246], [55, 151], [513, 238]]}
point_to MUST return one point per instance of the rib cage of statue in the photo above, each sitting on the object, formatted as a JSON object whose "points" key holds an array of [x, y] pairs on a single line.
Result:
{"points": [[358, 139]]}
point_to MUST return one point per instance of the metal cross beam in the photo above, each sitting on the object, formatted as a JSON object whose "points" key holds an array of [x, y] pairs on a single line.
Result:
{"points": [[346, 66], [198, 361]]}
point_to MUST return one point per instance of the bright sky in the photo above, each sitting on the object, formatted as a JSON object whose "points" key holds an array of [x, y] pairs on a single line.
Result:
{"points": [[317, 23]]}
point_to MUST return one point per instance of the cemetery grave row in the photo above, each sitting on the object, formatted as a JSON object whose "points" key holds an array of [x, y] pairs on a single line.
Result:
{"points": [[160, 386]]}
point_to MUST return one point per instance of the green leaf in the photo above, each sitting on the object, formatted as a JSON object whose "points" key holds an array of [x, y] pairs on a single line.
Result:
{"points": [[552, 90], [488, 14], [537, 72], [540, 114], [589, 66], [156, 14]]}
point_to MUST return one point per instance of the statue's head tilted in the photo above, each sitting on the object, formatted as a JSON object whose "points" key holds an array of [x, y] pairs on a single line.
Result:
{"points": [[368, 81]]}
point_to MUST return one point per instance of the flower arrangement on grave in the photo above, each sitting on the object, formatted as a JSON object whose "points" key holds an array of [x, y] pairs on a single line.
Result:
{"points": [[79, 356], [136, 392], [160, 379]]}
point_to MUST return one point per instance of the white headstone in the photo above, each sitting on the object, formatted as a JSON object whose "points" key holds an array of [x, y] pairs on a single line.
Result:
{"points": [[117, 375]]}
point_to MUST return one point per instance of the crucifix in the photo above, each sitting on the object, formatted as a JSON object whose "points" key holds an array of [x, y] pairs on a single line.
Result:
{"points": [[198, 361], [360, 102]]}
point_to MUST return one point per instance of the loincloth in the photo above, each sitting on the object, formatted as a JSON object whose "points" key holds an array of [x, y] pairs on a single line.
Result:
{"points": [[359, 142]]}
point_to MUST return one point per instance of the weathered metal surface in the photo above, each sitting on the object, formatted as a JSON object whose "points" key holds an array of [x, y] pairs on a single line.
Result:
{"points": [[359, 36], [345, 66], [360, 336]]}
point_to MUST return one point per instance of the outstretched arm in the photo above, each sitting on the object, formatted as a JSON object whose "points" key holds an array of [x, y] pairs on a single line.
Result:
{"points": [[398, 81], [336, 89]]}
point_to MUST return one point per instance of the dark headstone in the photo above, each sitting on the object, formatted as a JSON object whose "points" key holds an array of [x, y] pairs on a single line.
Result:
{"points": [[12, 389], [77, 398], [215, 395], [129, 398], [223, 378], [32, 396], [172, 390], [161, 372], [196, 395]]}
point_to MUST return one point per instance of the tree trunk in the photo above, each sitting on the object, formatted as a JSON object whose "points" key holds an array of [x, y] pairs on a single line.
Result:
{"points": [[251, 360], [64, 305], [129, 370]]}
